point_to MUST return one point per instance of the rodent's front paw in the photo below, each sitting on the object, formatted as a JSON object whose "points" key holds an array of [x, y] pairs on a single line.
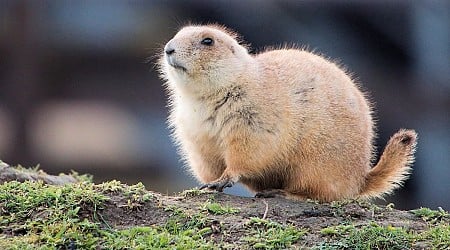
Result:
{"points": [[219, 185]]}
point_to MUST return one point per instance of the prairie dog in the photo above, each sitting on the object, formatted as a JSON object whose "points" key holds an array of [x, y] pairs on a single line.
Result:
{"points": [[283, 122]]}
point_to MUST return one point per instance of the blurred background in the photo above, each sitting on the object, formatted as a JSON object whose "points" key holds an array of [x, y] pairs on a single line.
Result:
{"points": [[78, 87]]}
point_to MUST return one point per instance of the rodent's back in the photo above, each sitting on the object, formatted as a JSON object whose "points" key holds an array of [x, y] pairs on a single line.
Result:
{"points": [[325, 103]]}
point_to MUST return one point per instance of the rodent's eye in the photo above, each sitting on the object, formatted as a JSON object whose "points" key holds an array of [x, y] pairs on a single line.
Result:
{"points": [[207, 41]]}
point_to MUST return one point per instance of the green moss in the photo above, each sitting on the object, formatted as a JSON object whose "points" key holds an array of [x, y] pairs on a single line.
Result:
{"points": [[22, 201], [39, 216], [193, 192], [266, 234], [45, 216], [133, 238], [156, 238], [430, 215], [337, 230], [372, 236], [135, 194], [377, 237], [439, 236], [82, 177], [218, 209], [180, 221]]}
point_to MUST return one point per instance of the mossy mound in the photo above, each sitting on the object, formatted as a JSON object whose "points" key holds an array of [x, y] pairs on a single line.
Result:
{"points": [[112, 215]]}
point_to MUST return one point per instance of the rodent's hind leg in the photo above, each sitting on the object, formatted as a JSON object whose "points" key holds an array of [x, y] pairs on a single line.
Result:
{"points": [[271, 193], [224, 181], [280, 193]]}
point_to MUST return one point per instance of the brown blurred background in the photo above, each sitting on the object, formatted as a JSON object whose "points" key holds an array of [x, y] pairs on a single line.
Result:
{"points": [[76, 91]]}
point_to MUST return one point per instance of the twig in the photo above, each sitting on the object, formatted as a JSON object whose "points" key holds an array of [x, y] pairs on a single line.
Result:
{"points": [[266, 210]]}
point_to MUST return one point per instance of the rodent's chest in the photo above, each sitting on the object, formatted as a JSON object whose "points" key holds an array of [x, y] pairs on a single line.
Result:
{"points": [[218, 115], [192, 118]]}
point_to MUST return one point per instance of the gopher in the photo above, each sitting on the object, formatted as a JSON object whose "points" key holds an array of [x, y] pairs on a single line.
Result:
{"points": [[282, 122]]}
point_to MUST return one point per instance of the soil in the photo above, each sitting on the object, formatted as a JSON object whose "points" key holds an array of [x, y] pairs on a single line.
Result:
{"points": [[308, 215]]}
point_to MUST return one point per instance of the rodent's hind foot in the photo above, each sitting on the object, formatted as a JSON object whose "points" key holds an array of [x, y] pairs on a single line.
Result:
{"points": [[271, 193], [218, 185]]}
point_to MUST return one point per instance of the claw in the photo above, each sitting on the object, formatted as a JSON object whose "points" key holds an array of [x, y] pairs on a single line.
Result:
{"points": [[219, 185]]}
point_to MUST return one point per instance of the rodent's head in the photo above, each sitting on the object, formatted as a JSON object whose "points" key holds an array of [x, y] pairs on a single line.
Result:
{"points": [[203, 55]]}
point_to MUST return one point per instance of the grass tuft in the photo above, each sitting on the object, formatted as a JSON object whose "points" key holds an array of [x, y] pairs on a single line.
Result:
{"points": [[429, 215], [266, 234], [218, 209], [372, 236], [439, 236]]}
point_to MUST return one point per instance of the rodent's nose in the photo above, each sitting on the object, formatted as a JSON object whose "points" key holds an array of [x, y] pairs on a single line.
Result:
{"points": [[169, 49]]}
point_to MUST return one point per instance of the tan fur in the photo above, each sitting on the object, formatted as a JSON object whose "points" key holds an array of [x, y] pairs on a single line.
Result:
{"points": [[284, 120]]}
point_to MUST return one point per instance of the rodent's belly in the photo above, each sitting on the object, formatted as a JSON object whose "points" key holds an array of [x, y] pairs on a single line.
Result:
{"points": [[275, 179]]}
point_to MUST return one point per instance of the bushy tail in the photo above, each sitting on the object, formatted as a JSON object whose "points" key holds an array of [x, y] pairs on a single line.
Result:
{"points": [[393, 167]]}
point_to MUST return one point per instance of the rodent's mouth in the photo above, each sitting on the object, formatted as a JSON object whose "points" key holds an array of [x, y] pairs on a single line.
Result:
{"points": [[172, 62], [178, 67]]}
